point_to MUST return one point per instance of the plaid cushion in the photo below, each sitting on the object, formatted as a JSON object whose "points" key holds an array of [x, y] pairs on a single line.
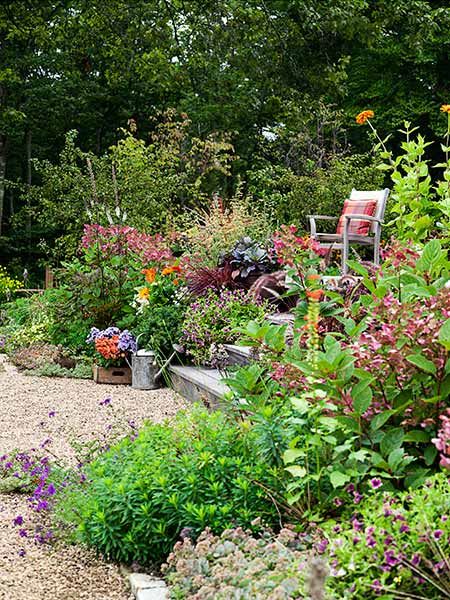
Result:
{"points": [[357, 207]]}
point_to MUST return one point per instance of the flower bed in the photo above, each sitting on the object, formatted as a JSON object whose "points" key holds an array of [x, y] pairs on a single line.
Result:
{"points": [[341, 428]]}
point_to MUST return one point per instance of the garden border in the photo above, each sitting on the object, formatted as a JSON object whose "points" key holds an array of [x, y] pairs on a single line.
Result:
{"points": [[146, 587]]}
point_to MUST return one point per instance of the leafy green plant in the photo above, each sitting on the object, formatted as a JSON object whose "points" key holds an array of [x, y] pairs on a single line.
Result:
{"points": [[200, 471], [344, 425], [420, 208], [159, 327], [8, 285]]}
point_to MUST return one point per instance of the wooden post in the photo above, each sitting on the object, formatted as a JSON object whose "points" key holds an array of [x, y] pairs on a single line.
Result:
{"points": [[49, 279]]}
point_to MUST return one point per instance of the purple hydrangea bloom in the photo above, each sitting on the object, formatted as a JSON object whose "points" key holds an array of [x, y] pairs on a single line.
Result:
{"points": [[110, 332], [93, 335], [127, 342]]}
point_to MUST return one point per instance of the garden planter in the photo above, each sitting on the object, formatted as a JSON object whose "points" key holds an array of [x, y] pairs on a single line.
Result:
{"points": [[112, 375]]}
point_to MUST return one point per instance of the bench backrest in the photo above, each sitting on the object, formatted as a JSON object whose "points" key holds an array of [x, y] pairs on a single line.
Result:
{"points": [[380, 196]]}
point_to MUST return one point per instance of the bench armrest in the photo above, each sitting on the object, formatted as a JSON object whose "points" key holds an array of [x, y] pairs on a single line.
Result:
{"points": [[363, 218], [349, 218], [312, 221]]}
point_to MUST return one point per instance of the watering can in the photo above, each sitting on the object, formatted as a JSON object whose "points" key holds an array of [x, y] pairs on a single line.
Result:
{"points": [[145, 373]]}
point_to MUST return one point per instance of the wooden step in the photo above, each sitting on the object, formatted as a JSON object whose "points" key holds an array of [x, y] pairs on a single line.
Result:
{"points": [[286, 318], [198, 384], [239, 355]]}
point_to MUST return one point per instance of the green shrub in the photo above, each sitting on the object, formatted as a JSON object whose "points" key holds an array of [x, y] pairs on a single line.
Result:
{"points": [[159, 327], [24, 322], [396, 545], [8, 285], [199, 472], [238, 565], [292, 197], [48, 318]]}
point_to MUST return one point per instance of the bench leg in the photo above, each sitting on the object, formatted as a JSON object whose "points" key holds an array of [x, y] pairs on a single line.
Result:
{"points": [[344, 266], [376, 251]]}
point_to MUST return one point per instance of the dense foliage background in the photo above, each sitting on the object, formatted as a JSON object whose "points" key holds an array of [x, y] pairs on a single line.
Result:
{"points": [[260, 81]]}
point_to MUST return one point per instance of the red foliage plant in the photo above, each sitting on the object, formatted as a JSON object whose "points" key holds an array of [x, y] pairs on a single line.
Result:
{"points": [[200, 280]]}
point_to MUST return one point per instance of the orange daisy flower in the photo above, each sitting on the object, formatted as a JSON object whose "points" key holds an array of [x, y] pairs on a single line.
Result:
{"points": [[364, 116], [150, 275], [144, 293], [445, 108]]}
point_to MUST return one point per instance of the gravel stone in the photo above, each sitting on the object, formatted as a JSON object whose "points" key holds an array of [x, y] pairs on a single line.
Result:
{"points": [[62, 572]]}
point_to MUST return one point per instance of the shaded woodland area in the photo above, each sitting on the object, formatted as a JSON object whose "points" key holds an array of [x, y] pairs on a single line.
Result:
{"points": [[278, 82]]}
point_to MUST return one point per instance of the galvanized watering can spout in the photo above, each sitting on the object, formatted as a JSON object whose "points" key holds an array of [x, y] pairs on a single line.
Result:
{"points": [[145, 371], [177, 349]]}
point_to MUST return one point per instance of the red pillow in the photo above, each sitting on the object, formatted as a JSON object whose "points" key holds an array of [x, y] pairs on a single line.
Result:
{"points": [[357, 207]]}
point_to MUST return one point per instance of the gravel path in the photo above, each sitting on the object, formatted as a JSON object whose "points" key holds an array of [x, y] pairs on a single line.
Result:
{"points": [[33, 409]]}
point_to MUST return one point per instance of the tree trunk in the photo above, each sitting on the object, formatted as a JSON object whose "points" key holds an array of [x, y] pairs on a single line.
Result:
{"points": [[11, 202], [28, 137], [3, 142]]}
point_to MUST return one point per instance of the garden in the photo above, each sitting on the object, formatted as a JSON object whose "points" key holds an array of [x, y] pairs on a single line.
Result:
{"points": [[235, 380], [322, 470]]}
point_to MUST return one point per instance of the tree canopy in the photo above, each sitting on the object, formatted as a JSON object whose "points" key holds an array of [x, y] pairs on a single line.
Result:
{"points": [[244, 68]]}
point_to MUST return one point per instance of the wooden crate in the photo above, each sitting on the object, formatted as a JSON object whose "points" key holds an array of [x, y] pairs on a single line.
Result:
{"points": [[112, 375]]}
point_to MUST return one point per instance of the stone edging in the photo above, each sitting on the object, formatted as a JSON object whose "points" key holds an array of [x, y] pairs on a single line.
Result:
{"points": [[146, 587]]}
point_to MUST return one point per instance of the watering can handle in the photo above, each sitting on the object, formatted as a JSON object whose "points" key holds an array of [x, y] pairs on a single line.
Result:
{"points": [[137, 339]]}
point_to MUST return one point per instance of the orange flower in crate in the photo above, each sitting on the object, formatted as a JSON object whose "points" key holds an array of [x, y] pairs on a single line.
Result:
{"points": [[108, 347]]}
